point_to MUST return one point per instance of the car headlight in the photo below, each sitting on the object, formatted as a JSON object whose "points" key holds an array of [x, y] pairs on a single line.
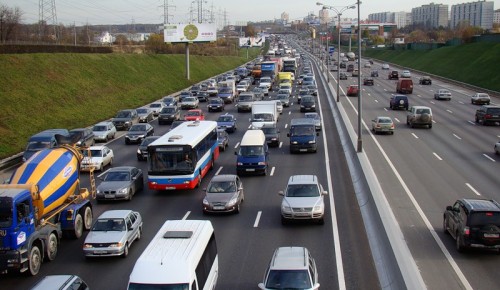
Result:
{"points": [[139, 151], [99, 191], [286, 208], [318, 207], [302, 106], [233, 201], [123, 190], [128, 122], [312, 142], [239, 163], [87, 246], [116, 245], [205, 202], [313, 106], [140, 136], [294, 142]]}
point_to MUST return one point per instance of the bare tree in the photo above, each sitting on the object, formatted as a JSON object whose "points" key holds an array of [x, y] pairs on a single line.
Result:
{"points": [[10, 19]]}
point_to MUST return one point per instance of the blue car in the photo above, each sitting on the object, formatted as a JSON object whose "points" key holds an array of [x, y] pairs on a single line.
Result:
{"points": [[227, 122]]}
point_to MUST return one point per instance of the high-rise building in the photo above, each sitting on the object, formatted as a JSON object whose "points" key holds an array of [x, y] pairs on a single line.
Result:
{"points": [[431, 15], [496, 16], [402, 19], [285, 17], [381, 17], [323, 16], [479, 14]]}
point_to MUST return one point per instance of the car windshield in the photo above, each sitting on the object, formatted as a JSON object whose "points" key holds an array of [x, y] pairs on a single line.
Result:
{"points": [[302, 190], [155, 105], [36, 146], [494, 111], [288, 279], [245, 98], [99, 128], [384, 120], [302, 130], [225, 119], [189, 99], [123, 114], [269, 130], [168, 100], [138, 128], [263, 117], [221, 135], [251, 150], [423, 111], [282, 96], [93, 153], [168, 110], [222, 187], [148, 141], [215, 102], [312, 116], [142, 111], [307, 100], [484, 218], [193, 113], [117, 176], [104, 225], [224, 90]]}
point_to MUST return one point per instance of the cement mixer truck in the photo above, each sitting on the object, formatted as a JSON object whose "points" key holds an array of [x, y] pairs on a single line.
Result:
{"points": [[41, 203]]}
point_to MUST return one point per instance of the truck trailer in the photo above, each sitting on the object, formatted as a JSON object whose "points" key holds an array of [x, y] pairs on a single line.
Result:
{"points": [[41, 203], [264, 112]]}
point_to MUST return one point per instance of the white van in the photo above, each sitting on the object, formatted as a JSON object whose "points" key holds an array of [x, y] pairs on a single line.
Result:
{"points": [[182, 255]]}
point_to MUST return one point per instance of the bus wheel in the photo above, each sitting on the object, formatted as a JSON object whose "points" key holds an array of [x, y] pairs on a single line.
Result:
{"points": [[199, 181]]}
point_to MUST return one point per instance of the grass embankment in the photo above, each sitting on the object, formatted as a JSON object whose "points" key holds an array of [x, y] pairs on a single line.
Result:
{"points": [[476, 63], [42, 91]]}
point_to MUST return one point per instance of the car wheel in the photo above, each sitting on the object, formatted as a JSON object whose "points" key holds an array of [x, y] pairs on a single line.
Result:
{"points": [[238, 208], [430, 126], [477, 119], [284, 221], [101, 167], [110, 162], [130, 195], [113, 136], [445, 226], [321, 221], [459, 244], [472, 102], [125, 251], [139, 233], [126, 142]]}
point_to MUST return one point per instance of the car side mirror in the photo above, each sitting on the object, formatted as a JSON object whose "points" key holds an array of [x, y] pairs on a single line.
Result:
{"points": [[261, 286], [131, 228], [281, 193], [450, 208], [235, 153], [324, 192], [316, 286]]}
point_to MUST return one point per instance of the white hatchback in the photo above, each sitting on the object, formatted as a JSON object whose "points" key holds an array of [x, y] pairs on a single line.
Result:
{"points": [[97, 157]]}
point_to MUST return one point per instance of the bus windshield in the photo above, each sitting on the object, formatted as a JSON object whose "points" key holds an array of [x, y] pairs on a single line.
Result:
{"points": [[171, 160]]}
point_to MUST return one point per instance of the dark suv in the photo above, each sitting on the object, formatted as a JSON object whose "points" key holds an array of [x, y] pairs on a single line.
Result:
{"points": [[488, 114], [394, 75], [473, 223], [168, 115], [399, 102]]}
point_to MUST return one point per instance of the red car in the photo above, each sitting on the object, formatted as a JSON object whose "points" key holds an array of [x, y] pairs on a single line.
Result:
{"points": [[194, 115], [352, 90]]}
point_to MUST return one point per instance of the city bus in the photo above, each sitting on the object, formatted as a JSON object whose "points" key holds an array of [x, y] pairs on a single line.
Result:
{"points": [[182, 157]]}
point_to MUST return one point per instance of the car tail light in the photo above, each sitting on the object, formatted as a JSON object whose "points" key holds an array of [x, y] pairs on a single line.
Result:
{"points": [[392, 126], [489, 214], [466, 231], [487, 116]]}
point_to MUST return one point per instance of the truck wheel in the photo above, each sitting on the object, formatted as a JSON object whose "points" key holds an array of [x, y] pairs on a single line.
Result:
{"points": [[87, 218], [35, 260], [78, 231], [52, 245]]}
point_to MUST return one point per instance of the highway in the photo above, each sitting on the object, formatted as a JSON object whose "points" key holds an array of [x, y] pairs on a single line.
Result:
{"points": [[421, 171], [245, 241]]}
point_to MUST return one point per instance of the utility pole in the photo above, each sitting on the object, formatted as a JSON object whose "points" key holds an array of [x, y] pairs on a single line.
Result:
{"points": [[47, 16]]}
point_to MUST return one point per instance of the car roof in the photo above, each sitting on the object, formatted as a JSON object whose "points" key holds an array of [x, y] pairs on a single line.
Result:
{"points": [[104, 123], [54, 282], [223, 177], [288, 258], [303, 179], [118, 213], [121, 168], [99, 147], [473, 204]]}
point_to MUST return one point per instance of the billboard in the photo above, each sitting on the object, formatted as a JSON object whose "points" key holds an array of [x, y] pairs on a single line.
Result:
{"points": [[190, 32], [252, 41]]}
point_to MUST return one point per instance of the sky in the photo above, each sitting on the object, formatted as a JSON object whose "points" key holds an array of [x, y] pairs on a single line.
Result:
{"points": [[96, 12]]}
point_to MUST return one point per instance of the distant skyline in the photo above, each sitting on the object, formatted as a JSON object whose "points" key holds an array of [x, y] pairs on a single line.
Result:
{"points": [[102, 12]]}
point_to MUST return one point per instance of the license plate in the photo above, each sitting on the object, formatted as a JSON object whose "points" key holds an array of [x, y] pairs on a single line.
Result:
{"points": [[109, 196], [303, 150], [169, 188], [100, 252], [219, 208], [491, 235], [301, 214], [495, 116], [250, 169]]}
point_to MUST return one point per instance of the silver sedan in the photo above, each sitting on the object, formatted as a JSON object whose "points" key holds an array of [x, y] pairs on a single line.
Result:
{"points": [[113, 233], [383, 125]]}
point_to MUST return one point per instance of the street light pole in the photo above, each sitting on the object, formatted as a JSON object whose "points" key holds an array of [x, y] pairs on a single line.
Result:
{"points": [[338, 58], [360, 140]]}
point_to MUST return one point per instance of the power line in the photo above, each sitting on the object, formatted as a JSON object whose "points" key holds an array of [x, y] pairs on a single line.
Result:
{"points": [[47, 16], [166, 6]]}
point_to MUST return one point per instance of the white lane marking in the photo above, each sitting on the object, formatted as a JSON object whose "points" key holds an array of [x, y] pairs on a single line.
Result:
{"points": [[433, 121], [289, 112], [456, 136], [272, 171], [281, 144], [473, 189], [237, 144], [186, 215], [369, 94], [385, 109], [437, 156], [489, 158], [498, 136], [432, 102], [218, 171], [376, 101], [449, 111], [249, 126], [419, 96], [414, 135], [286, 125], [249, 120], [257, 219], [471, 122], [397, 120], [460, 102]]}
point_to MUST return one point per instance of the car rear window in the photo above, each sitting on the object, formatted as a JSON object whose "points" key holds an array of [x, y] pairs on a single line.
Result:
{"points": [[494, 111], [484, 218]]}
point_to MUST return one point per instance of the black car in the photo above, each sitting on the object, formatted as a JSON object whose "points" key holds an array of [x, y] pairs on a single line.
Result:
{"points": [[85, 136], [202, 96], [142, 151], [216, 105], [368, 81], [374, 73], [138, 132], [343, 65], [168, 115], [176, 123], [125, 119], [185, 94], [195, 90], [272, 135], [399, 102], [393, 75], [425, 80], [473, 223], [170, 101], [488, 114], [343, 76], [307, 104]]}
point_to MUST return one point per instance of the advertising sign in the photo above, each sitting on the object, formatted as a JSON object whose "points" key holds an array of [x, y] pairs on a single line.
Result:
{"points": [[191, 32], [252, 41]]}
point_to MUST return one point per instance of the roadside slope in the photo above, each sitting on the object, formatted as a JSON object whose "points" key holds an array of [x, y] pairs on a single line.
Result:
{"points": [[40, 91]]}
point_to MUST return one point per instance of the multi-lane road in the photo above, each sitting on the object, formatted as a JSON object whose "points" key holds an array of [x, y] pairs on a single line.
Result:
{"points": [[420, 171]]}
